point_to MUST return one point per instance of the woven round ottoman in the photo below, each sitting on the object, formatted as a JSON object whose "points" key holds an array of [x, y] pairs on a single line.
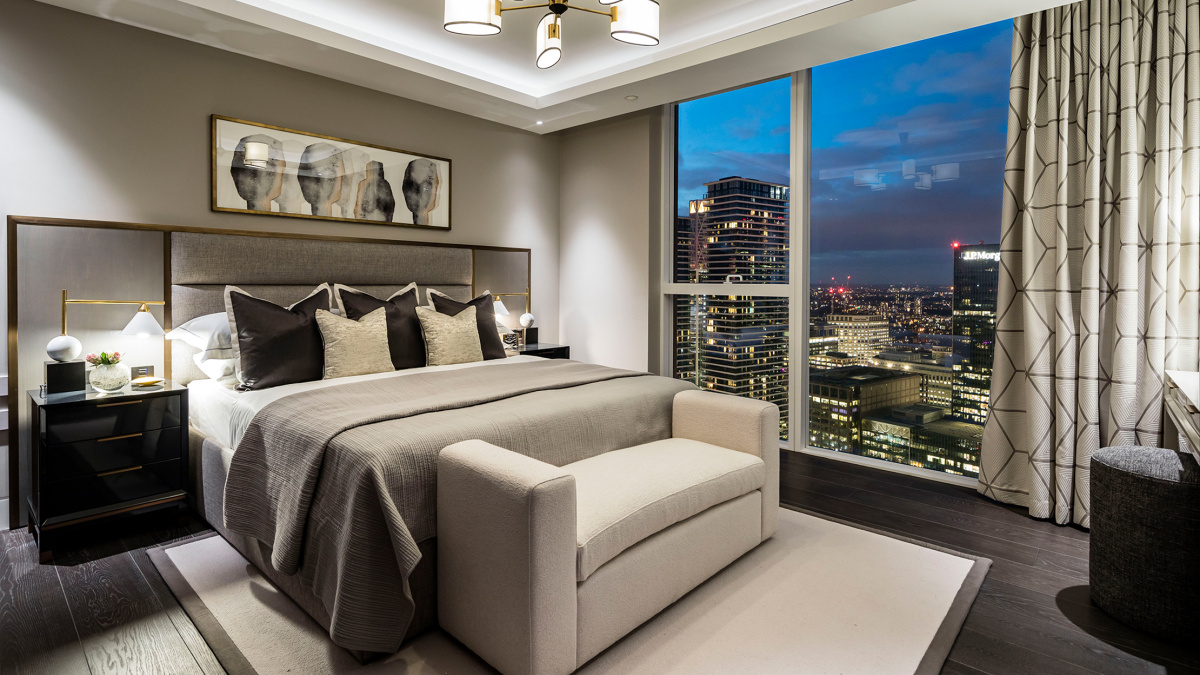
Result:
{"points": [[1145, 539]]}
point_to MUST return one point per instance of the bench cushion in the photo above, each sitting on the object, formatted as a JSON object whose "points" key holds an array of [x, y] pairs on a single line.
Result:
{"points": [[624, 496]]}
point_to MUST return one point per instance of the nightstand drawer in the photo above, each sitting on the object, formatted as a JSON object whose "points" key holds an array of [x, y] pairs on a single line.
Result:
{"points": [[81, 458], [104, 489], [104, 420]]}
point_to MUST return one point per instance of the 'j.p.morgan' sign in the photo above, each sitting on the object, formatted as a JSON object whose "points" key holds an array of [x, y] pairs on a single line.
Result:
{"points": [[981, 255]]}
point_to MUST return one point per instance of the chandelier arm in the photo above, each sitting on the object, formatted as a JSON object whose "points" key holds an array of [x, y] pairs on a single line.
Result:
{"points": [[513, 9], [593, 11], [547, 4]]}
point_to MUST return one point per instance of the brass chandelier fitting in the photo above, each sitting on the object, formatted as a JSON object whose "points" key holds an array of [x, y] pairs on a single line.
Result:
{"points": [[634, 22]]}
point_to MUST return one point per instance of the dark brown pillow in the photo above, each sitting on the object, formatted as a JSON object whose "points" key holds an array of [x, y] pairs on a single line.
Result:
{"points": [[485, 317], [276, 345], [405, 341]]}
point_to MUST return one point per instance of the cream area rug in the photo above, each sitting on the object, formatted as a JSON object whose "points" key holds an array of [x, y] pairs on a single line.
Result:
{"points": [[818, 597]]}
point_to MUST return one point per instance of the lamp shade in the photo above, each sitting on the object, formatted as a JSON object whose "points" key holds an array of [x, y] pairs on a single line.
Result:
{"points": [[499, 308], [549, 41], [945, 172], [473, 17], [143, 324], [635, 22], [257, 154], [867, 177]]}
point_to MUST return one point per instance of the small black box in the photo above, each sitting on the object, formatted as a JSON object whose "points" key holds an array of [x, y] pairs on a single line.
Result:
{"points": [[64, 377], [531, 335]]}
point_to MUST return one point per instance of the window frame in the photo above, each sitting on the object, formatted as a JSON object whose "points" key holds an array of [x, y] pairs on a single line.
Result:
{"points": [[797, 290]]}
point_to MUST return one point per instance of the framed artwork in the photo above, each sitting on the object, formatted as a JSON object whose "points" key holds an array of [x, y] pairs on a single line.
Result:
{"points": [[259, 168]]}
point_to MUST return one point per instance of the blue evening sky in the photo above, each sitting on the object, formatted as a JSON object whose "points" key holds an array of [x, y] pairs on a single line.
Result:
{"points": [[949, 94]]}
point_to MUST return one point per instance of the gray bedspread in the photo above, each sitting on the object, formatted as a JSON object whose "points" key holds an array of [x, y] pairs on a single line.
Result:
{"points": [[340, 482]]}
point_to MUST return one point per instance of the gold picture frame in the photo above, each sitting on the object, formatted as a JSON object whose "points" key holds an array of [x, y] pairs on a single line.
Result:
{"points": [[264, 169]]}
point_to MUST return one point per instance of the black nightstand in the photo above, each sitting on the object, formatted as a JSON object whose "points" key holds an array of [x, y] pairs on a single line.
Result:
{"points": [[545, 350], [96, 456]]}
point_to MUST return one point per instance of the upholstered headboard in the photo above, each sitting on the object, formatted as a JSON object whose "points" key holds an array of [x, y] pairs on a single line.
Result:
{"points": [[285, 270]]}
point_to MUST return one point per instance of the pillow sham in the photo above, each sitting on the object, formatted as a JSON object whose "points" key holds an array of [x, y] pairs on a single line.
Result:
{"points": [[275, 345], [221, 370], [485, 317], [355, 347], [450, 339], [209, 334], [405, 343]]}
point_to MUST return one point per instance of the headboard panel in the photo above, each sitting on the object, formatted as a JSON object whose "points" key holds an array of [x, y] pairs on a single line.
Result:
{"points": [[286, 270]]}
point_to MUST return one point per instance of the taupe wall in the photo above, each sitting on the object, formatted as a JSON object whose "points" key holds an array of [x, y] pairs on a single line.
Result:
{"points": [[609, 196], [108, 122]]}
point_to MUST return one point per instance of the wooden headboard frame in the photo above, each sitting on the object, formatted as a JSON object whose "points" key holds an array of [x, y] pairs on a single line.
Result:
{"points": [[14, 222]]}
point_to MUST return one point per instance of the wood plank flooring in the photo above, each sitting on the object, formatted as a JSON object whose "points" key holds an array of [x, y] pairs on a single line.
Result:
{"points": [[1033, 613], [103, 608]]}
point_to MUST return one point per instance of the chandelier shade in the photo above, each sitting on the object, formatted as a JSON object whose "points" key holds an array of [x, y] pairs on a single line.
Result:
{"points": [[635, 22], [256, 154], [473, 17], [549, 41]]}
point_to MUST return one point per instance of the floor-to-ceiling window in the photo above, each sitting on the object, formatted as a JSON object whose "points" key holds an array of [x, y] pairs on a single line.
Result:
{"points": [[906, 175], [903, 152], [732, 227]]}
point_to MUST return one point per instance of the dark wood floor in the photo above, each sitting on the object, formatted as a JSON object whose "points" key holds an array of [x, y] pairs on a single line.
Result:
{"points": [[103, 608], [1033, 613]]}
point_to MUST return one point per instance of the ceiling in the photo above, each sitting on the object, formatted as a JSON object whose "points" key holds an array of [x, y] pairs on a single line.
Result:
{"points": [[400, 47]]}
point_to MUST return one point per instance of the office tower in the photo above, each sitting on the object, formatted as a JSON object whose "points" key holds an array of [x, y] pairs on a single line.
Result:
{"points": [[860, 335], [839, 399], [739, 229], [821, 344], [917, 435], [936, 371], [830, 360], [734, 344], [976, 279]]}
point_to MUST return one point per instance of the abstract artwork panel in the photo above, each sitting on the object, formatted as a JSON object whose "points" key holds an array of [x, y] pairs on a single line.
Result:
{"points": [[258, 168]]}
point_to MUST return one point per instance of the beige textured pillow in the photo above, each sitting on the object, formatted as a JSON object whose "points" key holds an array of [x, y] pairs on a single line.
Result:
{"points": [[355, 347], [450, 339]]}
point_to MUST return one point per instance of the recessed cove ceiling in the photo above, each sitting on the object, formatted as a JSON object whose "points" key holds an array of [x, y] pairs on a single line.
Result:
{"points": [[401, 47], [413, 28]]}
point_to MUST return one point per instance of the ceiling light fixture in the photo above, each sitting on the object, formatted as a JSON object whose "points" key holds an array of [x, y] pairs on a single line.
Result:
{"points": [[634, 22]]}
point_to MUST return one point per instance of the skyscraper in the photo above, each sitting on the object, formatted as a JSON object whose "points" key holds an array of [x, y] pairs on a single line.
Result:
{"points": [[976, 281], [727, 343], [739, 229], [860, 335]]}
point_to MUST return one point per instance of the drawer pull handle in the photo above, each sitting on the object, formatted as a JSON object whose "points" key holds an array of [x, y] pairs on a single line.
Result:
{"points": [[1192, 409], [118, 438], [109, 473], [113, 405]]}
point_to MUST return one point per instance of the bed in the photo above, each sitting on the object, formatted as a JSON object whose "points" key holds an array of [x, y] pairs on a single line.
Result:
{"points": [[328, 487]]}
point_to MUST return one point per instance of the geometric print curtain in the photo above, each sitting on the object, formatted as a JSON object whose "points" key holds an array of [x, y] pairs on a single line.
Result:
{"points": [[1100, 258]]}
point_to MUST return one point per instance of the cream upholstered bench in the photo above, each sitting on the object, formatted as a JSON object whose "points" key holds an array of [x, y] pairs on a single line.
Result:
{"points": [[540, 568]]}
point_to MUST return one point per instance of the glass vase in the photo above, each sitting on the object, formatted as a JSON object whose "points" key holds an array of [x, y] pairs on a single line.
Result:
{"points": [[109, 378]]}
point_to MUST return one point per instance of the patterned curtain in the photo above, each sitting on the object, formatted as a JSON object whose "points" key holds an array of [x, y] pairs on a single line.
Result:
{"points": [[1099, 247]]}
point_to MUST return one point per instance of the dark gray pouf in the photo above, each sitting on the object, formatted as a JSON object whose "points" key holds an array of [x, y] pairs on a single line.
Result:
{"points": [[1145, 539]]}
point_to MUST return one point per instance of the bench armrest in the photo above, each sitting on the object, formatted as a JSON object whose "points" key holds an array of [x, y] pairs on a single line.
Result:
{"points": [[506, 557], [742, 424]]}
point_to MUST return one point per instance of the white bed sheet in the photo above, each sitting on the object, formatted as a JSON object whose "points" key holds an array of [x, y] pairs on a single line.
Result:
{"points": [[223, 413]]}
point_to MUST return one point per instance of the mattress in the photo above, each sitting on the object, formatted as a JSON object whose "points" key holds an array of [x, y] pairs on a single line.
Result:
{"points": [[222, 413]]}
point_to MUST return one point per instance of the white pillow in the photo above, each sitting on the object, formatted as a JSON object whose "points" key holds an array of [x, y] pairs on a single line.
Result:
{"points": [[221, 370], [209, 334]]}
